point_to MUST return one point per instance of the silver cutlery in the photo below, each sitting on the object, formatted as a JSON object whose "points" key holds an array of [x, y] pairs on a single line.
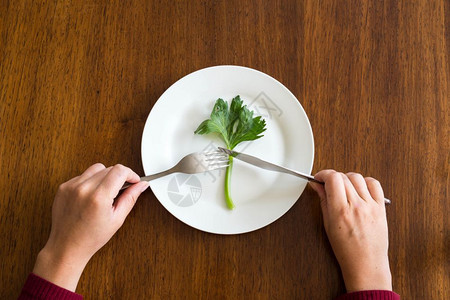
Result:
{"points": [[193, 163], [273, 167]]}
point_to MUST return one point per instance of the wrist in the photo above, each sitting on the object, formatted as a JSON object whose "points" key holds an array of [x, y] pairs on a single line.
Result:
{"points": [[58, 268], [378, 278]]}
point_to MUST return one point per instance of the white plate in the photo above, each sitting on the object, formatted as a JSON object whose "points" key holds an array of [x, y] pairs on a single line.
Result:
{"points": [[260, 196]]}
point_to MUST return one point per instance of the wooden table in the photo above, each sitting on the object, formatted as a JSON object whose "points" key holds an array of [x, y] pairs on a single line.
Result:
{"points": [[77, 82]]}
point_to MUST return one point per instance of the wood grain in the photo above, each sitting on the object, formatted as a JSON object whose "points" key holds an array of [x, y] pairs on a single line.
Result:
{"points": [[78, 81]]}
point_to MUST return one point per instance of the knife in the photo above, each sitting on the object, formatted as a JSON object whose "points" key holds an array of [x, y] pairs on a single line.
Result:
{"points": [[273, 167], [267, 165]]}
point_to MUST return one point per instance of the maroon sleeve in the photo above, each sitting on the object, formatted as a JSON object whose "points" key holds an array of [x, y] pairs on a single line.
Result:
{"points": [[38, 288], [370, 295]]}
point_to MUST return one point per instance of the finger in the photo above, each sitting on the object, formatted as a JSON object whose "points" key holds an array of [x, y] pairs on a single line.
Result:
{"points": [[334, 189], [95, 168], [360, 185], [94, 181], [320, 189], [350, 191], [126, 201], [375, 189], [116, 177], [89, 172]]}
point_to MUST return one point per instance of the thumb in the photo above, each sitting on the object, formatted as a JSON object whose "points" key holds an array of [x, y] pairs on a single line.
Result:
{"points": [[320, 189], [125, 202]]}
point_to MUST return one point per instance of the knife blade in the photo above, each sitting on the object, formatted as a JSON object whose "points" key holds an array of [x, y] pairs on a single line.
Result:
{"points": [[267, 165]]}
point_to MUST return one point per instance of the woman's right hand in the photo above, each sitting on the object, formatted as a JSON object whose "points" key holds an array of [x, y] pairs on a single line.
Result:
{"points": [[355, 221]]}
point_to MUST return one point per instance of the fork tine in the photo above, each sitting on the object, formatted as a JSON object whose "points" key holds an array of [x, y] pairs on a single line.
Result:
{"points": [[220, 159], [214, 153], [212, 160], [215, 156], [216, 160], [211, 151], [212, 168], [219, 163]]}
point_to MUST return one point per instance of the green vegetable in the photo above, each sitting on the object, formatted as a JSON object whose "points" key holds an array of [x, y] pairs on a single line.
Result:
{"points": [[234, 125]]}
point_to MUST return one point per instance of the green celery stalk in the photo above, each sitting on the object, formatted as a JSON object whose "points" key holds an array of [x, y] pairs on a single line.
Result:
{"points": [[228, 199], [234, 124]]}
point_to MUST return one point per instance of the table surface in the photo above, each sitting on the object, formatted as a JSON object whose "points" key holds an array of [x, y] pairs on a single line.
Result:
{"points": [[77, 84]]}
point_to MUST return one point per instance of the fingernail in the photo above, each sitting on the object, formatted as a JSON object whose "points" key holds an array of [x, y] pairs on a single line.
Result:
{"points": [[145, 186]]}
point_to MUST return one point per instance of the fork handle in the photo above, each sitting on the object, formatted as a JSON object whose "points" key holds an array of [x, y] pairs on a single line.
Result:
{"points": [[149, 178]]}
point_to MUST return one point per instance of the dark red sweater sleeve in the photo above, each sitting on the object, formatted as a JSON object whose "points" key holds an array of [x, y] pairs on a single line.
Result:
{"points": [[370, 295], [38, 288]]}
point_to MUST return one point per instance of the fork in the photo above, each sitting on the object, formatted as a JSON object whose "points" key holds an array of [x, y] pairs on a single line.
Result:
{"points": [[197, 162]]}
